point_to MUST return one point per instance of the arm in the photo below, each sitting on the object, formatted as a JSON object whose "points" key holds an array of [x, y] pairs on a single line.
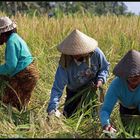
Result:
{"points": [[11, 59], [102, 73], [57, 89], [104, 67], [111, 98]]}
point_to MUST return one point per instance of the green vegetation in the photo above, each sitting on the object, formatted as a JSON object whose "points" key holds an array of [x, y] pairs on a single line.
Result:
{"points": [[57, 9], [115, 34]]}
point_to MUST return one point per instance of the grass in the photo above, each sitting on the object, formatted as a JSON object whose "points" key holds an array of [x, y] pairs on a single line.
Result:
{"points": [[115, 35]]}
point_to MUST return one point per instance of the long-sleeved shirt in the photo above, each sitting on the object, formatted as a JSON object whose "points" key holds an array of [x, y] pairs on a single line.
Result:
{"points": [[118, 91], [75, 76], [17, 56]]}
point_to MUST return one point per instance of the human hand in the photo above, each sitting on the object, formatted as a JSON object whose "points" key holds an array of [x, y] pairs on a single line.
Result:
{"points": [[97, 85], [109, 128], [109, 131], [55, 113], [52, 117]]}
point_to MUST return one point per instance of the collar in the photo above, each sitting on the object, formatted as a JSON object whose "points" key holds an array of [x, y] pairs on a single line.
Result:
{"points": [[79, 62]]}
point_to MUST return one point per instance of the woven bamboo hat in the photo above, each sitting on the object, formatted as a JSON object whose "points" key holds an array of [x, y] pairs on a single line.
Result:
{"points": [[6, 24], [77, 43], [129, 65]]}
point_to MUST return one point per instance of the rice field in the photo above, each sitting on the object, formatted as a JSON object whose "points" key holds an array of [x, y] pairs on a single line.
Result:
{"points": [[115, 35]]}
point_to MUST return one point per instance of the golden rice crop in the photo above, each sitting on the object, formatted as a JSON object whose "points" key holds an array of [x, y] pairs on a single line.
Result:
{"points": [[115, 35]]}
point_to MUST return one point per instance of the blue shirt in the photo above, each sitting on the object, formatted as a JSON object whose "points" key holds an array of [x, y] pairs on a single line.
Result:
{"points": [[118, 91], [76, 76], [17, 56]]}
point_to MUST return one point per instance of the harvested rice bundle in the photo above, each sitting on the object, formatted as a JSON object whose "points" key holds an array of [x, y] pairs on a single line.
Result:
{"points": [[88, 104]]}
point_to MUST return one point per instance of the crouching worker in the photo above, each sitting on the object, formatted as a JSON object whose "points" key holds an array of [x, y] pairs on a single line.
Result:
{"points": [[81, 63], [125, 88], [19, 68]]}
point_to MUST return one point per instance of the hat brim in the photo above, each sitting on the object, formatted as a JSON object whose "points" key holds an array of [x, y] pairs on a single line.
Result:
{"points": [[129, 65], [77, 43], [8, 27]]}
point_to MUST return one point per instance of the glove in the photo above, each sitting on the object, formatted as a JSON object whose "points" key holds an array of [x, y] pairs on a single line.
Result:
{"points": [[55, 112]]}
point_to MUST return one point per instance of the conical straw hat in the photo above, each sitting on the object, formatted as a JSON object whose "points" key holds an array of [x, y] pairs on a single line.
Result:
{"points": [[129, 65], [77, 43], [6, 24]]}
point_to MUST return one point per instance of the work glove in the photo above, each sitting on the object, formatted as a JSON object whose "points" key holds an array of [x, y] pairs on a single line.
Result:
{"points": [[109, 131], [56, 113]]}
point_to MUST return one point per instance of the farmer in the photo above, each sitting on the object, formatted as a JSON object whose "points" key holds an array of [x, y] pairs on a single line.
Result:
{"points": [[125, 88], [81, 62], [19, 68]]}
